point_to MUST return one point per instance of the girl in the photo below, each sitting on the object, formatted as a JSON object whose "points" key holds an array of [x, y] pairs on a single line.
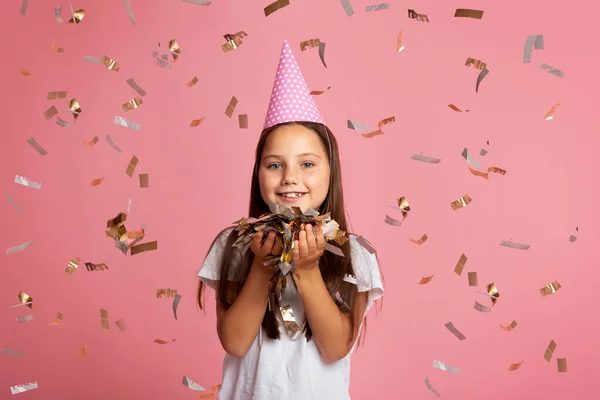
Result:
{"points": [[297, 164]]}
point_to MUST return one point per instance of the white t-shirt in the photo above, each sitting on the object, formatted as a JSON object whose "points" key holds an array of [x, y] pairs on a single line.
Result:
{"points": [[284, 368]]}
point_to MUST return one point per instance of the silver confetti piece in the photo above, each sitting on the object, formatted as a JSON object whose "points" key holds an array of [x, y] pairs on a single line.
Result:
{"points": [[130, 11], [347, 7], [62, 123], [358, 127], [58, 14], [136, 87], [191, 384], [378, 7], [176, 301], [552, 70], [431, 388], [92, 59], [533, 41], [126, 123], [289, 320], [21, 180], [334, 249], [24, 7], [514, 245], [441, 365], [391, 221], [470, 159], [482, 308], [341, 303], [24, 318], [483, 152], [420, 157], [198, 2], [10, 352], [36, 146], [455, 332], [12, 203], [322, 53], [112, 144], [480, 77], [18, 248], [129, 207], [365, 243], [23, 388], [350, 279], [572, 238]]}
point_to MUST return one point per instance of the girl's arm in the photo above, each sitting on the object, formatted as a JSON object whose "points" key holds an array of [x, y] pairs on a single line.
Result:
{"points": [[332, 330], [238, 326]]}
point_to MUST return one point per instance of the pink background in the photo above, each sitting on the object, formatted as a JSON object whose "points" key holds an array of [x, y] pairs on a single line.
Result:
{"points": [[199, 183]]}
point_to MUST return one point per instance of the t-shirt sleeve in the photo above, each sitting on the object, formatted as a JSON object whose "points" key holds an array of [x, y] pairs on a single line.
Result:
{"points": [[366, 269], [210, 270]]}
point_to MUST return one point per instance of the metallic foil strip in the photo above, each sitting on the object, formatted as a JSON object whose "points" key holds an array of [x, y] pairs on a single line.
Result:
{"points": [[431, 388], [83, 351], [403, 206], [422, 158], [481, 308], [129, 11], [57, 48], [198, 2], [127, 124], [509, 327], [24, 388], [550, 289], [104, 323], [419, 17], [426, 279], [444, 367], [21, 180], [365, 243], [92, 142], [461, 202], [310, 43], [11, 352], [56, 95], [62, 123], [572, 238], [12, 203], [467, 13], [193, 82], [112, 144], [51, 112], [24, 72], [562, 364], [473, 281], [92, 59], [455, 332], [58, 14], [129, 208], [391, 221], [132, 104], [131, 167], [196, 122], [72, 266], [515, 366], [233, 43], [289, 321], [140, 248], [319, 92], [350, 279], [550, 114], [377, 7], [420, 241], [347, 7], [97, 181], [485, 175], [549, 351], [121, 325], [95, 267], [25, 299], [18, 248], [552, 70], [380, 124], [176, 301], [191, 384], [532, 42], [399, 44], [358, 126], [24, 318], [57, 321], [460, 265], [144, 180], [231, 107], [160, 341], [174, 49], [160, 293], [243, 121], [470, 159], [334, 249], [480, 77], [343, 306], [493, 292], [36, 146], [110, 63], [77, 15], [483, 152], [514, 245], [452, 106], [131, 82], [322, 53], [277, 5]]}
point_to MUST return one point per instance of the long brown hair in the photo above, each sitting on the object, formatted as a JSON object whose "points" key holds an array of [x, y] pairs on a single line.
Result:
{"points": [[234, 267]]}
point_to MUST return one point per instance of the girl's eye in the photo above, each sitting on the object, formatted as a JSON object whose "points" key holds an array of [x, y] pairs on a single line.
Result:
{"points": [[274, 166], [308, 164]]}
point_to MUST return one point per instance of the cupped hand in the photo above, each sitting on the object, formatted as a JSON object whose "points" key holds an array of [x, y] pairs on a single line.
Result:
{"points": [[270, 247], [309, 247]]}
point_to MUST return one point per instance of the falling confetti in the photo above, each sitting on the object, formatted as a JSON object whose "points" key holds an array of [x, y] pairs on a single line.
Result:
{"points": [[198, 2], [130, 11], [550, 351], [347, 7], [132, 104], [472, 278], [365, 243], [160, 293], [461, 202], [193, 82], [243, 121], [377, 7], [516, 366], [391, 221], [481, 308], [191, 384], [514, 245], [425, 159], [24, 318], [486, 175], [319, 92], [144, 181], [121, 325], [131, 167], [455, 332], [131, 82], [104, 323], [57, 321], [466, 13], [18, 248], [233, 41], [24, 72], [277, 5], [10, 352], [444, 367], [176, 301], [420, 241], [97, 181], [322, 53], [380, 124], [425, 280], [72, 266], [475, 63], [419, 17], [550, 289], [550, 114], [562, 364], [231, 107], [480, 77], [96, 267], [452, 106], [23, 11], [92, 142], [23, 388], [431, 388], [509, 327], [196, 122], [112, 144], [12, 202], [141, 248], [57, 48], [36, 146], [552, 70], [532, 42], [470, 159], [311, 43], [127, 124], [460, 265], [399, 44]]}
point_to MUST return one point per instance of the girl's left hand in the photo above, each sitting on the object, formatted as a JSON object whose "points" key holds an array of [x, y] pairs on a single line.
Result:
{"points": [[309, 248]]}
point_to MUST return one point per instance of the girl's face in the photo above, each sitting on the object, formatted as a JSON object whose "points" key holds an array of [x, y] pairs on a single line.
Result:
{"points": [[294, 168]]}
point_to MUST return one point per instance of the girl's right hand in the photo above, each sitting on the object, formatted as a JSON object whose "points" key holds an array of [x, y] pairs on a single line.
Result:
{"points": [[271, 246]]}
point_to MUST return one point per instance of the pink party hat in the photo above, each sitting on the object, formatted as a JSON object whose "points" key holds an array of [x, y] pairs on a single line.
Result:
{"points": [[291, 99]]}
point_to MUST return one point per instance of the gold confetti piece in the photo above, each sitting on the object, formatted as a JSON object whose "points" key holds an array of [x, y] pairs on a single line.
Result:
{"points": [[24, 318], [377, 7], [130, 12], [25, 299], [550, 289], [379, 125], [391, 221], [550, 114], [243, 121], [83, 351], [231, 107], [562, 364], [322, 53], [36, 146], [12, 202], [95, 267], [56, 48], [72, 266], [431, 388], [91, 142], [516, 366], [426, 279], [11, 352], [104, 319], [510, 327], [56, 95], [24, 388], [549, 351], [127, 124], [193, 82], [430, 160], [176, 301], [455, 332], [19, 248], [403, 206], [311, 43], [140, 248], [452, 106], [196, 122], [493, 292], [319, 92], [572, 238], [160, 341], [131, 82], [57, 321], [485, 175], [174, 49], [144, 182], [75, 108], [277, 5], [23, 11], [97, 181], [289, 320], [460, 265], [77, 16], [419, 17], [132, 104], [347, 7], [514, 245], [131, 167], [476, 63], [480, 77], [110, 63], [461, 202], [24, 72], [444, 367], [552, 70], [399, 45], [533, 41], [21, 180], [466, 13], [233, 41], [365, 243], [121, 325], [481, 308], [472, 278], [160, 293], [419, 241], [51, 112]]}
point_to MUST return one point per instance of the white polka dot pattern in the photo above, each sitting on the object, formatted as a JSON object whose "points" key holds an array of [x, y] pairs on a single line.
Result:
{"points": [[290, 99]]}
